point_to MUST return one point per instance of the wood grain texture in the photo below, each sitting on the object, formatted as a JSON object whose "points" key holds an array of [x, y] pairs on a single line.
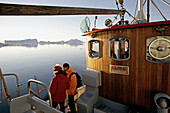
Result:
{"points": [[145, 78], [14, 9]]}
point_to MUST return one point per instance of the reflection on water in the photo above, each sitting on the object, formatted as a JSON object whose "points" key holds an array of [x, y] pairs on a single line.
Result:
{"points": [[25, 45], [27, 62]]}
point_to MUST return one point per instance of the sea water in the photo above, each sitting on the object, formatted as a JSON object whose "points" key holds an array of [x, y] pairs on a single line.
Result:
{"points": [[29, 61]]}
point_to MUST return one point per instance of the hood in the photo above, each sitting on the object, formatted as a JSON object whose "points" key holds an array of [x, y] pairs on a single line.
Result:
{"points": [[60, 72], [70, 70]]}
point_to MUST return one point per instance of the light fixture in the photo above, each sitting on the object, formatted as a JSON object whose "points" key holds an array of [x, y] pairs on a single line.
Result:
{"points": [[108, 23]]}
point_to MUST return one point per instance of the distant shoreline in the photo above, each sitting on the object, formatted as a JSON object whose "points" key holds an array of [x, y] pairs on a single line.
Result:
{"points": [[34, 42]]}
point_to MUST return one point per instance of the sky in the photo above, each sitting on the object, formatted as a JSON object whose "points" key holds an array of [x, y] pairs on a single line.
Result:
{"points": [[57, 28]]}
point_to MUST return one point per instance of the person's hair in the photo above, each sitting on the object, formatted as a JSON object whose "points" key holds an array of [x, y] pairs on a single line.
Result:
{"points": [[66, 65]]}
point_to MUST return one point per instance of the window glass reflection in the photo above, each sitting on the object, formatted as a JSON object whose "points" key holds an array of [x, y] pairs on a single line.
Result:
{"points": [[94, 48], [119, 48]]}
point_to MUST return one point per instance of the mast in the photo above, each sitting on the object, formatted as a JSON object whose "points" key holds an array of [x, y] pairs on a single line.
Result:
{"points": [[147, 11], [121, 4], [140, 14]]}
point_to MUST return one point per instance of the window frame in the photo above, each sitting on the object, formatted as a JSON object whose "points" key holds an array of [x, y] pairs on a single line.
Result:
{"points": [[89, 49], [146, 50], [113, 39]]}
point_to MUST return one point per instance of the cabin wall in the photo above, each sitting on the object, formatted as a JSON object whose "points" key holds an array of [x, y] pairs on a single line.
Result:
{"points": [[145, 78]]}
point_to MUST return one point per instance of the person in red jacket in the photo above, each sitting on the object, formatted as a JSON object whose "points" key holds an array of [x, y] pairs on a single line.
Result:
{"points": [[58, 86]]}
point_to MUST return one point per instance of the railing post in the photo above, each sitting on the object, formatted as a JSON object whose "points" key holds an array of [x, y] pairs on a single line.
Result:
{"points": [[5, 87]]}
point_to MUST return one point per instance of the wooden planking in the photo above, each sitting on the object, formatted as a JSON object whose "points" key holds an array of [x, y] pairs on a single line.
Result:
{"points": [[145, 78], [18, 9]]}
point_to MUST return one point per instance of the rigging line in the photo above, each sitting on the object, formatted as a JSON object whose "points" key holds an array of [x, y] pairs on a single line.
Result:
{"points": [[95, 3], [158, 9], [144, 2], [131, 16], [117, 7], [95, 16], [117, 4], [165, 2], [136, 7]]}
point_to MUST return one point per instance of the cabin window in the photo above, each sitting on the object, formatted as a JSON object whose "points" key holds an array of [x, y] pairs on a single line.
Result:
{"points": [[119, 48], [94, 48], [158, 49]]}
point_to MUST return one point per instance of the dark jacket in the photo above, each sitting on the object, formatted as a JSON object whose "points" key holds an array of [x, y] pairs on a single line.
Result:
{"points": [[58, 86]]}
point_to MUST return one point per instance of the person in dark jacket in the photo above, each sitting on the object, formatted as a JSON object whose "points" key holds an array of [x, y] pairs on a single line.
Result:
{"points": [[58, 86]]}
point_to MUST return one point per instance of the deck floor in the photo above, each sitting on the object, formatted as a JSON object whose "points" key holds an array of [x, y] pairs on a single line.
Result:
{"points": [[67, 109]]}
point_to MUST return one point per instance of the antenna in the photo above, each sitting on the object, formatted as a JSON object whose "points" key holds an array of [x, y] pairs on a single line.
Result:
{"points": [[95, 16], [121, 3], [95, 21]]}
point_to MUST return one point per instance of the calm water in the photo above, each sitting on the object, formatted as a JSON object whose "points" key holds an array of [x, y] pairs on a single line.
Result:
{"points": [[27, 62]]}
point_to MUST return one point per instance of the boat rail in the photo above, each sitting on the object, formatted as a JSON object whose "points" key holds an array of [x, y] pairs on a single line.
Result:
{"points": [[17, 81], [43, 84], [2, 80]]}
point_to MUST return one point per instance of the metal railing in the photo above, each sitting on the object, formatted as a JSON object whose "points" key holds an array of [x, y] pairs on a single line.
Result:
{"points": [[43, 84], [17, 81], [2, 80], [1, 91]]}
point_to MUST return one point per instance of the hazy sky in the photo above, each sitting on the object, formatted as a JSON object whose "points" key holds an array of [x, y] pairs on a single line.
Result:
{"points": [[55, 28]]}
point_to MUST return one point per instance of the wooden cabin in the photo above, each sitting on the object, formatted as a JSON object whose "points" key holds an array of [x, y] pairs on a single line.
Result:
{"points": [[133, 65]]}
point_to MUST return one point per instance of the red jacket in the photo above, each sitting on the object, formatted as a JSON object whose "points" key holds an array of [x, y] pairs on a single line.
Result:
{"points": [[58, 86]]}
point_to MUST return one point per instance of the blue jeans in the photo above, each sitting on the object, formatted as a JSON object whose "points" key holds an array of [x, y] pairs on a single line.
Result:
{"points": [[62, 108]]}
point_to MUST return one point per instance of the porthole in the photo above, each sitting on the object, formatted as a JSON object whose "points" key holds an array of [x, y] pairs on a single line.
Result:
{"points": [[158, 49]]}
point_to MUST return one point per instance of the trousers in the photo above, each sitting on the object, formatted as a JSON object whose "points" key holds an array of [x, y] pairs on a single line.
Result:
{"points": [[71, 103], [62, 108]]}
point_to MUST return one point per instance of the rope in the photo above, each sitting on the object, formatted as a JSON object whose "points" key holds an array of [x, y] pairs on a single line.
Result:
{"points": [[117, 4], [118, 9], [131, 16], [165, 2], [144, 2], [158, 9]]}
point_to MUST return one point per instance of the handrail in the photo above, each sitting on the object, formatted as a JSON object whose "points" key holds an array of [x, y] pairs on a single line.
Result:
{"points": [[1, 91], [5, 87], [37, 85], [43, 84], [16, 81]]}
